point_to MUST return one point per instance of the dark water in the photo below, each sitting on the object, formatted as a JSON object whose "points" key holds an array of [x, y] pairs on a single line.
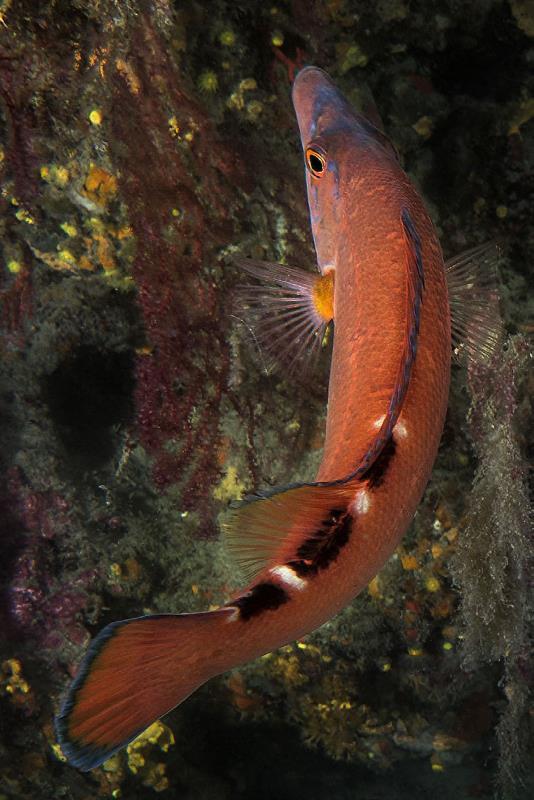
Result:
{"points": [[143, 146]]}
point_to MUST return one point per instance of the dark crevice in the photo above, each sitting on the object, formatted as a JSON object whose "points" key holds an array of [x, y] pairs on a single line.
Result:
{"points": [[89, 397], [489, 66]]}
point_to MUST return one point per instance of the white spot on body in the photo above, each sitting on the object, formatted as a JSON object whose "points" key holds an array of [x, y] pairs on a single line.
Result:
{"points": [[234, 615], [361, 503], [401, 429], [289, 577]]}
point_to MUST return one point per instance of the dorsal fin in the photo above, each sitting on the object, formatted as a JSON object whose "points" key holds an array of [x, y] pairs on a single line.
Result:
{"points": [[473, 283], [288, 312], [272, 527]]}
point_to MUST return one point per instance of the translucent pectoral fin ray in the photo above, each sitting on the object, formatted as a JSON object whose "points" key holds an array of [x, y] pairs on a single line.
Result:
{"points": [[288, 313], [473, 282]]}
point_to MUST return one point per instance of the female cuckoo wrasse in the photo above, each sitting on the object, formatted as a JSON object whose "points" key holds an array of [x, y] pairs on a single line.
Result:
{"points": [[309, 548]]}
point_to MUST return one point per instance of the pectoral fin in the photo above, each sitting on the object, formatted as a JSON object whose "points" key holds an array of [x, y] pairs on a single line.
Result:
{"points": [[288, 313], [473, 282]]}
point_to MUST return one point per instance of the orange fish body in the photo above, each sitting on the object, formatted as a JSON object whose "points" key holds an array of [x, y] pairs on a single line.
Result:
{"points": [[309, 548], [370, 309]]}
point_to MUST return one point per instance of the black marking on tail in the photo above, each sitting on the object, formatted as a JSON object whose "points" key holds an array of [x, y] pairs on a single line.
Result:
{"points": [[322, 548], [377, 471], [263, 597]]}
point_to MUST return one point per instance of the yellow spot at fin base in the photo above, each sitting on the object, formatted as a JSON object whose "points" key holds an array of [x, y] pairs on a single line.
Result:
{"points": [[323, 296]]}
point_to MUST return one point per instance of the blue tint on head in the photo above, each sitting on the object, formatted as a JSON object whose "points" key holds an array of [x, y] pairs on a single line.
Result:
{"points": [[313, 194], [332, 167], [330, 106]]}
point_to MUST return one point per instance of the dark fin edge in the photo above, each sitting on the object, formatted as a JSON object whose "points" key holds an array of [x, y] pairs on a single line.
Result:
{"points": [[87, 757]]}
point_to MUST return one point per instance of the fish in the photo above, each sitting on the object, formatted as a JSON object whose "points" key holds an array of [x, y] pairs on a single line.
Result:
{"points": [[307, 549]]}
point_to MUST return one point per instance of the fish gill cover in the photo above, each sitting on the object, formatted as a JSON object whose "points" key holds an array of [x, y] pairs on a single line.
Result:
{"points": [[143, 145]]}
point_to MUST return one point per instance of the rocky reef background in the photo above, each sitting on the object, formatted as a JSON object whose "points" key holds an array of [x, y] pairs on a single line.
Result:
{"points": [[143, 144]]}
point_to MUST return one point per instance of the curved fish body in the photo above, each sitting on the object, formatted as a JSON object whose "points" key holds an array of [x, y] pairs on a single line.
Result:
{"points": [[309, 548]]}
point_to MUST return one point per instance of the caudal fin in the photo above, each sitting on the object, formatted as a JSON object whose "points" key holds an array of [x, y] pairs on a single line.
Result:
{"points": [[134, 672]]}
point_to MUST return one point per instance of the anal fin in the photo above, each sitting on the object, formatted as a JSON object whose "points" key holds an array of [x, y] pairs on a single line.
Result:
{"points": [[270, 529]]}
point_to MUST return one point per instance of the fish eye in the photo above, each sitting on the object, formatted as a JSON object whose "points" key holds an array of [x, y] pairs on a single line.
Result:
{"points": [[315, 161]]}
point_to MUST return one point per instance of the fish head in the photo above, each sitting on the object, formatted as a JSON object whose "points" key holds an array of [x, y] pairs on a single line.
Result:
{"points": [[338, 144]]}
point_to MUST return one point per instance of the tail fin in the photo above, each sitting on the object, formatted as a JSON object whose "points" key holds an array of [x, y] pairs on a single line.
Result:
{"points": [[135, 672]]}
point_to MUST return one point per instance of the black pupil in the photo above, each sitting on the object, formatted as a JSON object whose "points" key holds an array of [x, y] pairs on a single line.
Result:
{"points": [[316, 165]]}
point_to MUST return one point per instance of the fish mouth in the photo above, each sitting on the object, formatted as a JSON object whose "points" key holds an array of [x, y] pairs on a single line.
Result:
{"points": [[305, 72], [309, 76], [318, 103]]}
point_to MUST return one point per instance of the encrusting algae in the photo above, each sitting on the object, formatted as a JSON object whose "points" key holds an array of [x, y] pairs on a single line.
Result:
{"points": [[13, 683], [140, 756]]}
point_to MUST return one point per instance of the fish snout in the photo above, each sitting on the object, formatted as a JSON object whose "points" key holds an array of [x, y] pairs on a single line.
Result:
{"points": [[310, 85]]}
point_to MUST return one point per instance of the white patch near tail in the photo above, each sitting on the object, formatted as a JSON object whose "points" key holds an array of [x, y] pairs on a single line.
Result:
{"points": [[361, 503], [400, 428], [289, 577]]}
